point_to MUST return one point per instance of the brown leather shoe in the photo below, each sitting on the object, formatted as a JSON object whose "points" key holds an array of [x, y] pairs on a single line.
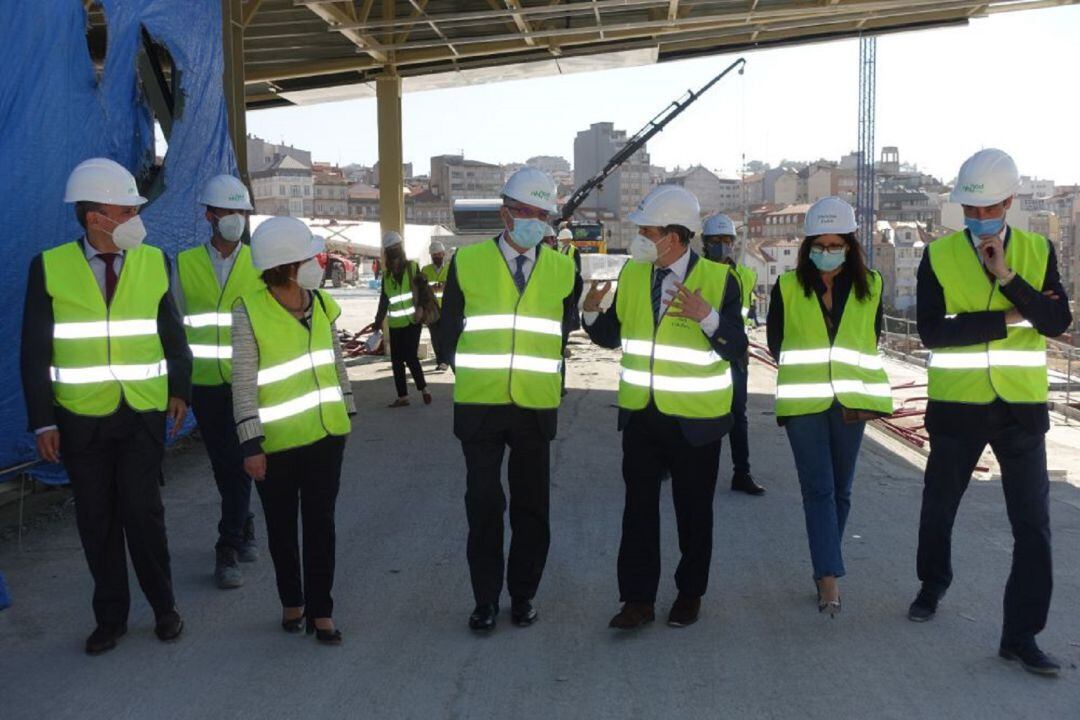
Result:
{"points": [[684, 611], [633, 615]]}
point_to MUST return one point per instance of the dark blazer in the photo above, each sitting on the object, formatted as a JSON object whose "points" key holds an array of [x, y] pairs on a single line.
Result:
{"points": [[468, 418], [78, 431], [729, 341]]}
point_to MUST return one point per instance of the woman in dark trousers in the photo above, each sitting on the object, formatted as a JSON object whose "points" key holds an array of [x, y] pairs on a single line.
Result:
{"points": [[397, 307], [823, 327], [292, 401]]}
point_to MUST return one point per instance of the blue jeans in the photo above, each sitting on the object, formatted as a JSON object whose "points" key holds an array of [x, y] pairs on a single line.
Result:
{"points": [[825, 450]]}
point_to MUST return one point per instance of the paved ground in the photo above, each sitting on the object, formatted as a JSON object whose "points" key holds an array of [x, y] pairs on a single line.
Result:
{"points": [[759, 651]]}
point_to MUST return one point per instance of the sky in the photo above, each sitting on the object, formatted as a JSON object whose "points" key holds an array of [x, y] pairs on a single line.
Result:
{"points": [[1006, 81]]}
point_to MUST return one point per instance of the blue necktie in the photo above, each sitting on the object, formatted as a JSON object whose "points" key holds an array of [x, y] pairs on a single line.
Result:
{"points": [[519, 274], [658, 291]]}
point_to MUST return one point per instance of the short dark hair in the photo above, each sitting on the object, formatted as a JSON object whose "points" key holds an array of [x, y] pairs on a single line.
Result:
{"points": [[83, 207], [683, 234], [280, 275]]}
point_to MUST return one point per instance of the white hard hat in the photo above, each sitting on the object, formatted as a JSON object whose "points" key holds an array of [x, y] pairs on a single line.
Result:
{"points": [[532, 187], [102, 180], [226, 192], [549, 232], [719, 224], [986, 178], [283, 240], [436, 247], [565, 234], [391, 238], [830, 216], [668, 205]]}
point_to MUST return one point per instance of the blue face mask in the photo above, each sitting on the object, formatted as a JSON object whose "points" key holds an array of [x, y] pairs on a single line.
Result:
{"points": [[528, 232], [982, 228], [717, 251], [827, 261]]}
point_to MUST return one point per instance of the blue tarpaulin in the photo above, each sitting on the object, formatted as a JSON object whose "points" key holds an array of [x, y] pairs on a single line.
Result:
{"points": [[55, 113]]}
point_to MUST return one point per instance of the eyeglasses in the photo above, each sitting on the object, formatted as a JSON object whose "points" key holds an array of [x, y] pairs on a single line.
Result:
{"points": [[829, 250], [525, 211]]}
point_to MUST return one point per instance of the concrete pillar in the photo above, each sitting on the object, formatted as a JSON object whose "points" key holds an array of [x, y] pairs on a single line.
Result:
{"points": [[391, 180]]}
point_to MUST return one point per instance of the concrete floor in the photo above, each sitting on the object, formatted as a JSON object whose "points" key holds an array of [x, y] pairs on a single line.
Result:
{"points": [[760, 649]]}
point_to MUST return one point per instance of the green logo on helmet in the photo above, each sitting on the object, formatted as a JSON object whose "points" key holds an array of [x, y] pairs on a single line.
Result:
{"points": [[973, 187]]}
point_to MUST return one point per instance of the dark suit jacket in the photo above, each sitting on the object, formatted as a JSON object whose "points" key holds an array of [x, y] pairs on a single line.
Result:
{"points": [[729, 341], [467, 418], [78, 431]]}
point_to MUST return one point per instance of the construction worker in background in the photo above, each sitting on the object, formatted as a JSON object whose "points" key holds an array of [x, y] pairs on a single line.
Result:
{"points": [[397, 306], [988, 297], [207, 280], [823, 328], [292, 400], [679, 323], [505, 311], [567, 247], [549, 237], [718, 241], [104, 361], [436, 273]]}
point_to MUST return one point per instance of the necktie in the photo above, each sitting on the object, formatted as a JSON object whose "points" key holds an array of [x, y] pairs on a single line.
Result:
{"points": [[657, 291], [110, 275], [519, 274]]}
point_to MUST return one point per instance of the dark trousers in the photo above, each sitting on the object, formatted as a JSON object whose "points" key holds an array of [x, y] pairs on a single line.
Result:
{"points": [[1022, 456], [304, 479], [529, 479], [213, 411], [433, 332], [404, 344], [115, 480], [740, 436], [652, 444]]}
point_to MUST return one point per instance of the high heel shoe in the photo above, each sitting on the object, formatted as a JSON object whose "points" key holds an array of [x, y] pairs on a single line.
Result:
{"points": [[293, 625], [327, 637], [831, 608]]}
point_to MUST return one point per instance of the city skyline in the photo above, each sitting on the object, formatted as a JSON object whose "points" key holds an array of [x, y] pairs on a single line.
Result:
{"points": [[931, 87]]}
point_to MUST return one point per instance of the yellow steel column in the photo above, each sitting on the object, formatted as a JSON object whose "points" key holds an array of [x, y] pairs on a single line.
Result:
{"points": [[391, 180], [232, 31]]}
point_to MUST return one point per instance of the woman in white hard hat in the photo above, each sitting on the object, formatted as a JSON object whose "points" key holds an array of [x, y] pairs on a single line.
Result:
{"points": [[823, 327], [292, 401], [398, 308]]}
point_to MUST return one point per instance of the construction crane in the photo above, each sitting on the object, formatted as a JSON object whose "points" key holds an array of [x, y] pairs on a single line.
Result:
{"points": [[589, 235], [864, 194]]}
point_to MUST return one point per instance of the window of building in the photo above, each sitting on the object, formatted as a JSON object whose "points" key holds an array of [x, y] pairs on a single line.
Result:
{"points": [[281, 190]]}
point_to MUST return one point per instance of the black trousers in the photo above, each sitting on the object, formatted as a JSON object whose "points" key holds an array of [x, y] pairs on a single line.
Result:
{"points": [[529, 481], [433, 331], [739, 439], [304, 479], [115, 478], [213, 411], [404, 344], [1022, 456], [652, 443]]}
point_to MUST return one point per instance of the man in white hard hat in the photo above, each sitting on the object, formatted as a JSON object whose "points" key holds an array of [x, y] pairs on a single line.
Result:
{"points": [[104, 361], [549, 238], [679, 323], [208, 279], [397, 305], [504, 316], [718, 242], [436, 273], [988, 297]]}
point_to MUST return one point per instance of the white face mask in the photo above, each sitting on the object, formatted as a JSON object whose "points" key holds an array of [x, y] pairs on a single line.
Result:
{"points": [[642, 249], [129, 234], [231, 227], [310, 274]]}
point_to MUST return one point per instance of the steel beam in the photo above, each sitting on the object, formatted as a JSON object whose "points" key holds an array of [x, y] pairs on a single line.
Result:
{"points": [[232, 81]]}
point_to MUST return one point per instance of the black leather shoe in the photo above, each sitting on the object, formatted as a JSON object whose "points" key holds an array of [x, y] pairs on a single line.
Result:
{"points": [[633, 615], [103, 639], [326, 637], [483, 617], [924, 606], [744, 483], [169, 626], [684, 611], [1030, 657], [522, 613]]}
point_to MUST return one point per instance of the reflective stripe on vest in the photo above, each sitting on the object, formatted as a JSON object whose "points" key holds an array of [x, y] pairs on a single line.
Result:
{"points": [[400, 307], [673, 363], [437, 275], [300, 398], [813, 373], [510, 349], [747, 278], [208, 322], [1014, 368], [104, 354]]}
